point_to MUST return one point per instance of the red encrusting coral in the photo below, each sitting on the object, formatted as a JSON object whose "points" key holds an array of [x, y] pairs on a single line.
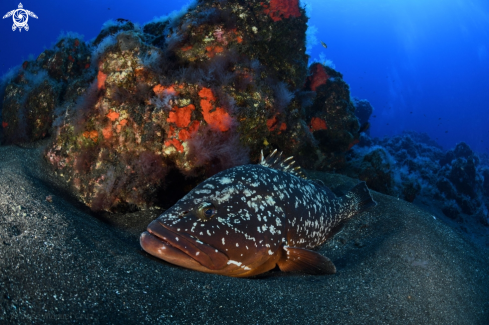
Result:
{"points": [[212, 51], [318, 124], [319, 77], [181, 116], [113, 115], [177, 144], [217, 117], [279, 9], [283, 127], [120, 125], [185, 134], [101, 77], [272, 124], [91, 135], [4, 124], [107, 132], [164, 91]]}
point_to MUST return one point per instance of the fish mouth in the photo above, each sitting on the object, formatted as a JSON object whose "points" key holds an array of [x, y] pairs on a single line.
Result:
{"points": [[181, 249]]}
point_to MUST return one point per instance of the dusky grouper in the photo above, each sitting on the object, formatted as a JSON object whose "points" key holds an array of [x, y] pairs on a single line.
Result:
{"points": [[248, 219]]}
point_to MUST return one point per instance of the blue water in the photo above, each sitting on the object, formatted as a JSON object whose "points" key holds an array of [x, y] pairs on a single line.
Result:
{"points": [[424, 65]]}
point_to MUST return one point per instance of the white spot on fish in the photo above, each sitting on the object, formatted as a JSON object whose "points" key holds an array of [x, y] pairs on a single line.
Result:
{"points": [[278, 222], [270, 252], [272, 229], [225, 180], [234, 262], [269, 200], [222, 242], [203, 192]]}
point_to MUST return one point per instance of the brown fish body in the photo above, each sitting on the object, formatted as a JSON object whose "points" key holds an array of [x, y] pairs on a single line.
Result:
{"points": [[248, 219]]}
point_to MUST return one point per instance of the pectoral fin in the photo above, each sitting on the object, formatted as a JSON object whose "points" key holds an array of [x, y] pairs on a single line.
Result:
{"points": [[303, 260]]}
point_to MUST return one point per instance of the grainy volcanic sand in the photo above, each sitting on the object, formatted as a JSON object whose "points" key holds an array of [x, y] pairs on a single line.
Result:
{"points": [[59, 263]]}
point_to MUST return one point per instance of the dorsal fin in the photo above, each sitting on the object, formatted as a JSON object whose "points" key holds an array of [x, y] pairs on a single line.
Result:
{"points": [[276, 162]]}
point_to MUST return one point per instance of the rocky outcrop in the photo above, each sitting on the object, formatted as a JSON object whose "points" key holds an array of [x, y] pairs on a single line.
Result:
{"points": [[141, 110]]}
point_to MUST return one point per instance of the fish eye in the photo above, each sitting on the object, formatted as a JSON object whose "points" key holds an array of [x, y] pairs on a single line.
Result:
{"points": [[206, 211]]}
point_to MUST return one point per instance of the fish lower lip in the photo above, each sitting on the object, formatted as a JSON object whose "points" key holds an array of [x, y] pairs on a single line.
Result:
{"points": [[162, 249], [202, 253]]}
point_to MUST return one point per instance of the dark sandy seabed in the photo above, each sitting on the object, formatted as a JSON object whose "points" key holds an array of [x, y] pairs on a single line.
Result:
{"points": [[59, 263]]}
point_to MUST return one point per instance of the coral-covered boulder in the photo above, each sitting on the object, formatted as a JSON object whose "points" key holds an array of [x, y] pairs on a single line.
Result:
{"points": [[331, 120], [189, 96], [363, 110], [31, 97], [28, 107], [141, 110]]}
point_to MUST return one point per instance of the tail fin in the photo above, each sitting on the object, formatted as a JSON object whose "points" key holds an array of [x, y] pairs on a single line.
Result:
{"points": [[359, 198]]}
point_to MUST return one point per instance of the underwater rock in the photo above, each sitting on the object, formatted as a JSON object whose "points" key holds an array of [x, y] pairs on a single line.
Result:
{"points": [[419, 167], [451, 210], [410, 190], [461, 150], [27, 108], [467, 185], [363, 110], [331, 120], [460, 169], [374, 166], [31, 98], [141, 110], [446, 188], [485, 176], [463, 175]]}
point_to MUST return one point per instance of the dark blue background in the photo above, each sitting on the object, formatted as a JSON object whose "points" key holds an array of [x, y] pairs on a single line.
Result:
{"points": [[424, 65]]}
